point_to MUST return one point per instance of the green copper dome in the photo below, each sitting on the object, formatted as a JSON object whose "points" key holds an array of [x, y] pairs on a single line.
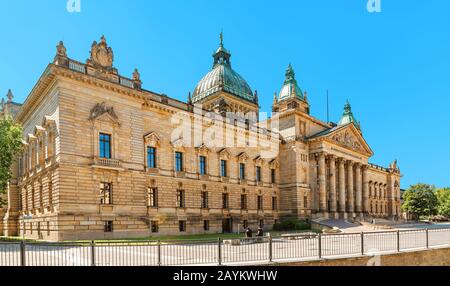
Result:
{"points": [[290, 87], [348, 116], [223, 78]]}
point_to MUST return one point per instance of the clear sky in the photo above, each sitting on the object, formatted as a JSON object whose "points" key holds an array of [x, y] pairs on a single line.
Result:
{"points": [[393, 66]]}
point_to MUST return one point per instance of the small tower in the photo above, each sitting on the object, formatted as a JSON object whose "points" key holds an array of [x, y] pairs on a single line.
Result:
{"points": [[348, 117], [9, 96], [291, 96]]}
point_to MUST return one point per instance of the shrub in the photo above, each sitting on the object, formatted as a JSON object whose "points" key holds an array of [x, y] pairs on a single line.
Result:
{"points": [[292, 224]]}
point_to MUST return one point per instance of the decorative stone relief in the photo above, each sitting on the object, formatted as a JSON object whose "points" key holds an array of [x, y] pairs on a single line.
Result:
{"points": [[100, 109], [347, 139]]}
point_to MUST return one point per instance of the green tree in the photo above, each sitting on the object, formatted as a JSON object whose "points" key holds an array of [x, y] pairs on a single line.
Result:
{"points": [[10, 145], [443, 196], [420, 200]]}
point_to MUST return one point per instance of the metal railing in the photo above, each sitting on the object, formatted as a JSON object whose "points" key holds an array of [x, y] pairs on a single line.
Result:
{"points": [[221, 252]]}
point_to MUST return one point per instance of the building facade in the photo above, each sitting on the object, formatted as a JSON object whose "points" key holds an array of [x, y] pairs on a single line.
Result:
{"points": [[105, 158]]}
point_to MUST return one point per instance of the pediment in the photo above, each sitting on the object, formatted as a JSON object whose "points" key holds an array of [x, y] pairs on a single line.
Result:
{"points": [[203, 149], [104, 112], [349, 137], [243, 157], [224, 154], [274, 164], [152, 139], [259, 161]]}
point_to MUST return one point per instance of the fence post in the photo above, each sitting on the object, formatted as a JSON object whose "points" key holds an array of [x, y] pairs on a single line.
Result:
{"points": [[22, 254], [320, 246], [398, 241], [362, 243], [219, 252], [159, 253], [270, 248], [92, 253], [428, 238]]}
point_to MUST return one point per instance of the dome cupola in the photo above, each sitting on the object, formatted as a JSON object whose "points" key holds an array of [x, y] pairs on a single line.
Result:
{"points": [[348, 117], [290, 87], [222, 78]]}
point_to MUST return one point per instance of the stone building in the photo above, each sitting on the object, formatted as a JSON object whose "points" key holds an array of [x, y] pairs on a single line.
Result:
{"points": [[102, 157]]}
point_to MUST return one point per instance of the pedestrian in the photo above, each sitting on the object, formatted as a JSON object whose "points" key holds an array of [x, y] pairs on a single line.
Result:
{"points": [[260, 232], [248, 233]]}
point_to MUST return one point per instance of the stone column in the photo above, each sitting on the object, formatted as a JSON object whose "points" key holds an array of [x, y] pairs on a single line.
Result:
{"points": [[350, 189], [322, 184], [358, 189], [366, 190], [333, 195], [342, 186]]}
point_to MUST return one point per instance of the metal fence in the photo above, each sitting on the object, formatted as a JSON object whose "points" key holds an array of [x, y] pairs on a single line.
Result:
{"points": [[220, 252]]}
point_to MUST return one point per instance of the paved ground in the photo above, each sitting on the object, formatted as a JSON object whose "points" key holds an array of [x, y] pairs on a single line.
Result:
{"points": [[253, 252]]}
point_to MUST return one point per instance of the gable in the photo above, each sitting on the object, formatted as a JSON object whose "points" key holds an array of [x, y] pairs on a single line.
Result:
{"points": [[349, 137]]}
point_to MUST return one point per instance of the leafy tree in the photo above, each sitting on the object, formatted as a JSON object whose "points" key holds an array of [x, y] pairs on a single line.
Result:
{"points": [[443, 196], [420, 200], [10, 145]]}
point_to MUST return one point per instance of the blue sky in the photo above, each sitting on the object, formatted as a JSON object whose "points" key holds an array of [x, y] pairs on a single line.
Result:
{"points": [[393, 66]]}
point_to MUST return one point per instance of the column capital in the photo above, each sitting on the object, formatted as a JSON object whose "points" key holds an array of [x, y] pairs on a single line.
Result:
{"points": [[365, 167], [331, 157], [350, 163]]}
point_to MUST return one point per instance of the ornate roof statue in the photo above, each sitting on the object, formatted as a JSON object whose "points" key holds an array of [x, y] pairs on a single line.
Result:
{"points": [[61, 49], [348, 116], [136, 75], [222, 78], [102, 56], [10, 96], [290, 87]]}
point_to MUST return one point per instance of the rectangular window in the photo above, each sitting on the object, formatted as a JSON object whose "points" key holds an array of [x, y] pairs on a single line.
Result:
{"points": [[155, 226], [242, 171], [273, 175], [152, 197], [105, 146], [108, 226], [151, 158], [260, 203], [274, 203], [305, 202], [223, 168], [182, 225], [181, 199], [245, 224], [206, 225], [105, 193], [205, 203], [225, 202], [202, 165], [261, 223], [243, 202], [258, 174], [179, 162]]}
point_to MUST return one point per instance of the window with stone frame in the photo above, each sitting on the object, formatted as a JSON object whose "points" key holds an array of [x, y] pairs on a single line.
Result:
{"points": [[154, 226], [108, 226], [260, 202], [274, 203], [152, 197], [205, 202], [105, 145], [242, 171], [181, 199], [273, 176], [179, 164], [50, 191], [106, 193], [225, 201], [152, 158], [182, 225], [243, 202], [258, 174], [202, 166], [206, 225], [223, 168]]}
